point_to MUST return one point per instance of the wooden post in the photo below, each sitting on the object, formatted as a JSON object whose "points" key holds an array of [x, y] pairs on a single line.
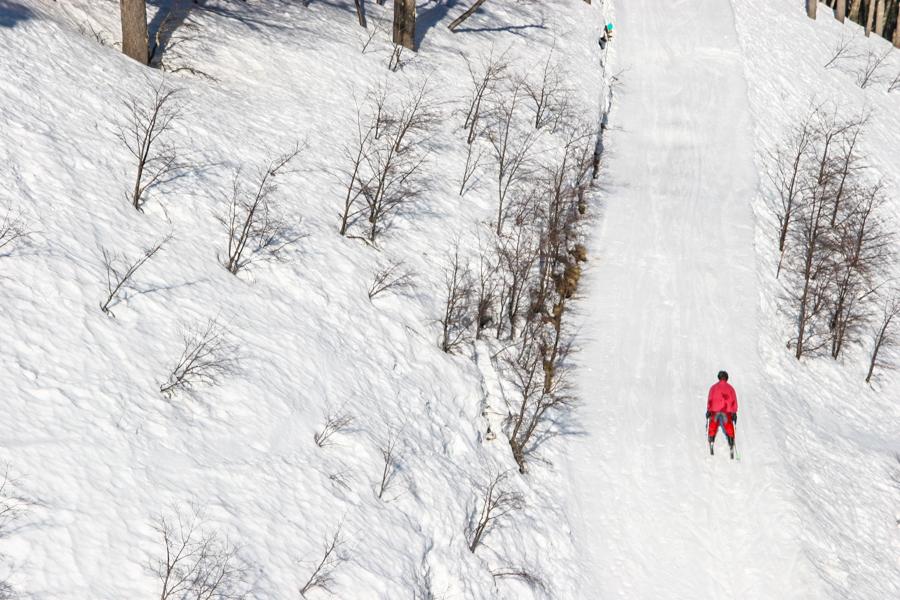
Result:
{"points": [[897, 28], [405, 23], [134, 30], [840, 12], [458, 20], [811, 6], [855, 6]]}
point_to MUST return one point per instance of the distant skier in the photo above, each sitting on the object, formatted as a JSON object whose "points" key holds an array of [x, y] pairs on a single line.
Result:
{"points": [[721, 410], [606, 36]]}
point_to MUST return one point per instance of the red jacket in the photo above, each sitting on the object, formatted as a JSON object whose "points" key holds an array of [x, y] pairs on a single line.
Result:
{"points": [[722, 398]]}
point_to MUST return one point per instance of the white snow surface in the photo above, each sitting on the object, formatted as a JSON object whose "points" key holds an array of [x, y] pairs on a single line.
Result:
{"points": [[685, 286], [91, 441], [680, 284]]}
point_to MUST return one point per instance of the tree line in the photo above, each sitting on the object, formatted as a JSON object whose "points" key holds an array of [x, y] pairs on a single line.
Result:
{"points": [[880, 16]]}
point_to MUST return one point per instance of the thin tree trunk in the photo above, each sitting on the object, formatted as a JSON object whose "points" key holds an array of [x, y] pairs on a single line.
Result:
{"points": [[458, 20], [134, 30], [880, 17], [841, 10], [897, 27], [870, 17], [361, 13], [811, 6], [855, 6], [405, 23]]}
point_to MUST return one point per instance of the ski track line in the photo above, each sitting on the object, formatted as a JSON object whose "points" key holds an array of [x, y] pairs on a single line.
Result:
{"points": [[673, 299]]}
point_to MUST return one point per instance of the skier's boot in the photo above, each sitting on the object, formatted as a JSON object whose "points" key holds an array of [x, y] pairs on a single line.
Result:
{"points": [[711, 442], [731, 446]]}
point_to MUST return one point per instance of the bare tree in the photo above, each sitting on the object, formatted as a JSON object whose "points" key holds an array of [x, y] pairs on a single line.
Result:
{"points": [[537, 368], [322, 577], [394, 163], [549, 96], [468, 13], [871, 72], [335, 422], [895, 84], [497, 503], [518, 254], [145, 135], [12, 507], [356, 156], [862, 257], [119, 272], [197, 564], [511, 150], [390, 457], [255, 230], [474, 155], [208, 355], [134, 30], [486, 285], [393, 277], [523, 574], [13, 230], [484, 84], [456, 319], [886, 335], [844, 50]]}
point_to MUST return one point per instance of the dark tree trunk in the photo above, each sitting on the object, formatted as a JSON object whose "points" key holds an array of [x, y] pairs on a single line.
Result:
{"points": [[405, 23], [134, 30]]}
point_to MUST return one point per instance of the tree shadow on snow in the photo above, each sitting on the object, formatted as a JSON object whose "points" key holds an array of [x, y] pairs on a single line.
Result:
{"points": [[428, 18], [12, 13]]}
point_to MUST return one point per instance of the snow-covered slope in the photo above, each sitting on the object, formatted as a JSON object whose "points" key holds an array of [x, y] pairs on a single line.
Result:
{"points": [[91, 441], [686, 287]]}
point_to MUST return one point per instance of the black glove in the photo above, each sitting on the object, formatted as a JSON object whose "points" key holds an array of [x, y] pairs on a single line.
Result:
{"points": [[734, 419], [708, 414]]}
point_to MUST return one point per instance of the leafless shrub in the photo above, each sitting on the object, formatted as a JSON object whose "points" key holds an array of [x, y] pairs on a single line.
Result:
{"points": [[388, 158], [13, 230], [486, 285], [485, 80], [150, 121], [119, 272], [549, 96], [322, 577], [862, 252], [393, 277], [335, 422], [886, 335], [538, 370], [12, 507], [473, 160], [871, 72], [497, 503], [511, 150], [197, 563], [390, 457], [457, 314], [208, 355], [395, 61], [843, 50], [377, 29], [254, 227], [86, 28], [517, 252], [895, 84], [786, 174], [811, 245], [522, 574]]}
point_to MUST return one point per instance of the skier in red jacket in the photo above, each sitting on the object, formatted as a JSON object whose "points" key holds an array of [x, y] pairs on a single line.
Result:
{"points": [[721, 410]]}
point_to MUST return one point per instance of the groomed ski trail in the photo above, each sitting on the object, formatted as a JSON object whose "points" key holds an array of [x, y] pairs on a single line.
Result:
{"points": [[672, 298]]}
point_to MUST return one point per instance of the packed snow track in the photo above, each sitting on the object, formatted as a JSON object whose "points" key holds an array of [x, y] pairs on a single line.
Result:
{"points": [[673, 299]]}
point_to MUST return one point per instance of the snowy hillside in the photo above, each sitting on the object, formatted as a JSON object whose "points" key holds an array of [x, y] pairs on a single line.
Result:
{"points": [[98, 455]]}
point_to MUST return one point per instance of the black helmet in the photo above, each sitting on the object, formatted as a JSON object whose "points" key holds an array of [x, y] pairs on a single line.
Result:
{"points": [[723, 376]]}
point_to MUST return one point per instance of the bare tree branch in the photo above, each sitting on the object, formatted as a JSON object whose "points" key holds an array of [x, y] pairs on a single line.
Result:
{"points": [[497, 503], [207, 356], [119, 272], [322, 576]]}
